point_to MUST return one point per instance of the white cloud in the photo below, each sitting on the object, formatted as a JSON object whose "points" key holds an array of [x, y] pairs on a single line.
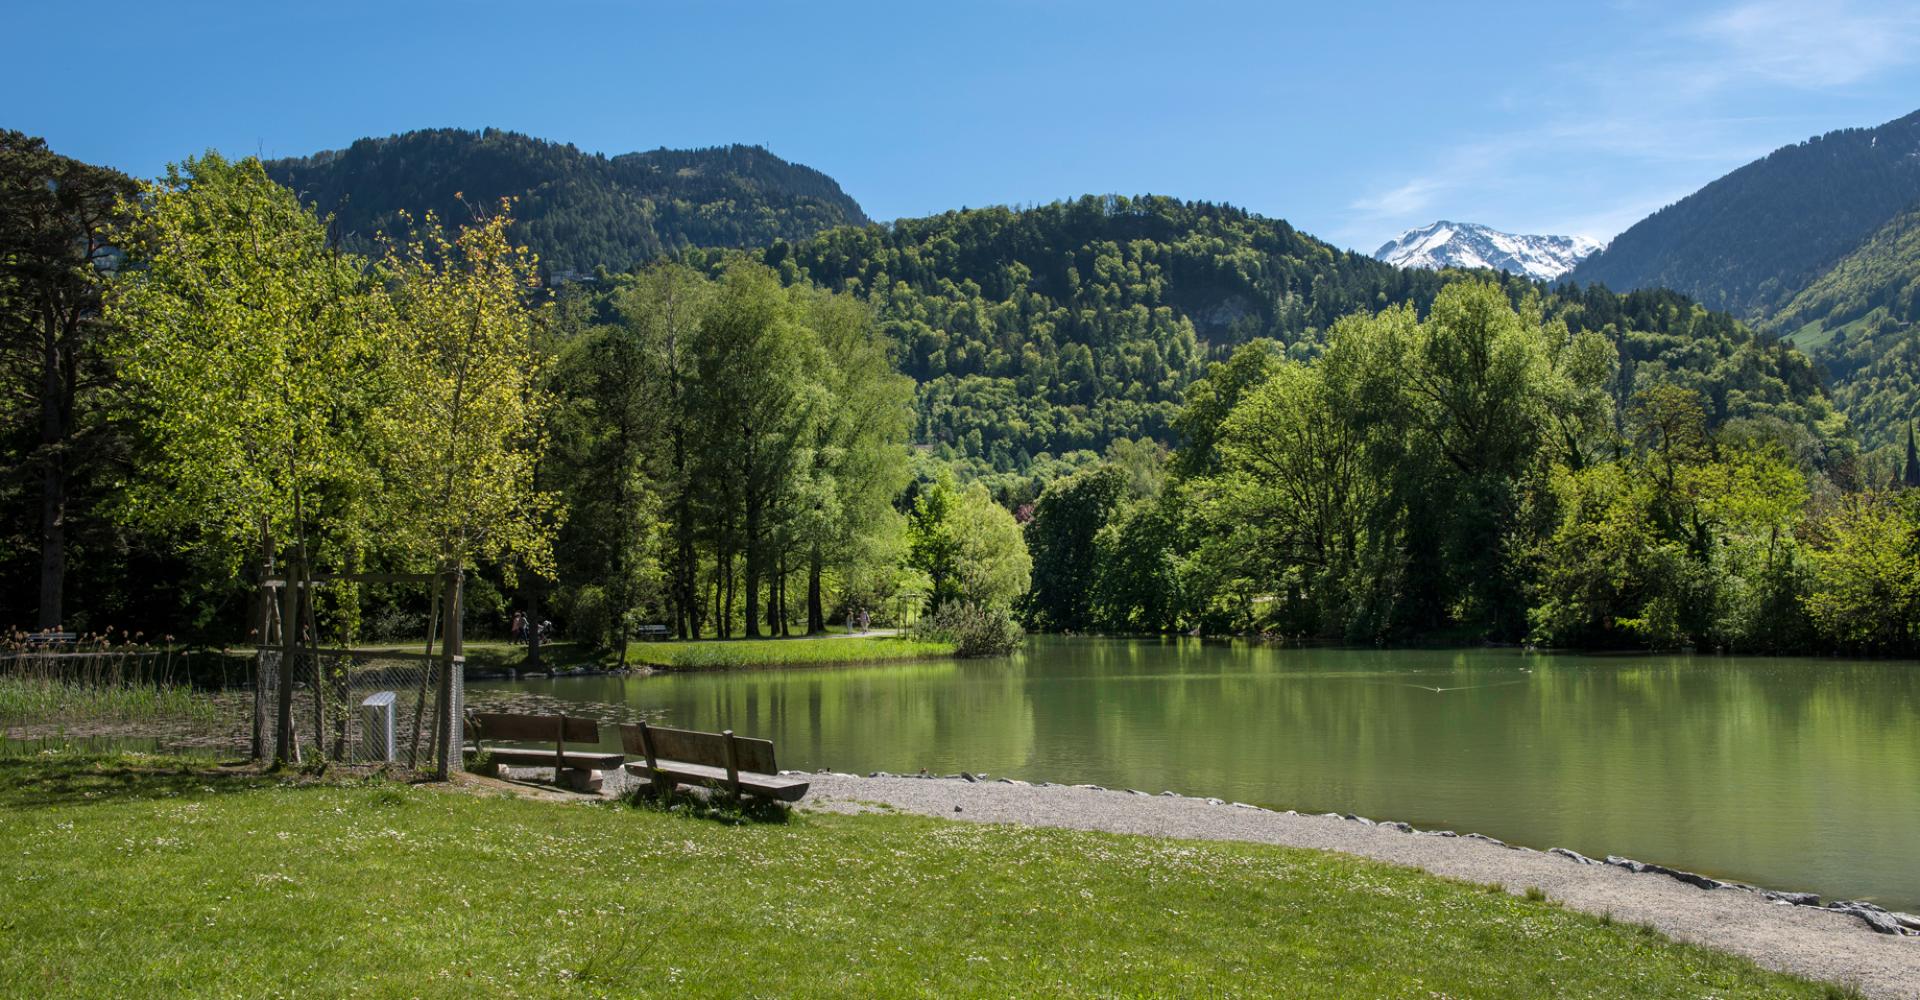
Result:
{"points": [[1413, 196], [1808, 44]]}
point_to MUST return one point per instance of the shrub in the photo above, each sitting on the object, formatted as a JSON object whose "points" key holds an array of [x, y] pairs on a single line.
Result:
{"points": [[590, 617], [974, 629]]}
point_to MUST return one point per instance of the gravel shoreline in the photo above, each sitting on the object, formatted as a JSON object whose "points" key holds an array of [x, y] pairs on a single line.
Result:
{"points": [[1832, 945]]}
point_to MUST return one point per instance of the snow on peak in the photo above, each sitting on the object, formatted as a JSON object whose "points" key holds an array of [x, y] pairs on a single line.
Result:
{"points": [[1464, 244]]}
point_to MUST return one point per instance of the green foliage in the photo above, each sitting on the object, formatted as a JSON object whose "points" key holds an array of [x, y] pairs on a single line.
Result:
{"points": [[1062, 538], [1064, 326], [56, 426], [577, 211], [1861, 321], [458, 427], [970, 548], [44, 702], [1866, 579], [722, 440], [1472, 472], [973, 629], [250, 347]]}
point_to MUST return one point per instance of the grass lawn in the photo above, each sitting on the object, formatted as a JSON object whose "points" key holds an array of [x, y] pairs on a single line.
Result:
{"points": [[727, 654], [146, 877], [702, 654]]}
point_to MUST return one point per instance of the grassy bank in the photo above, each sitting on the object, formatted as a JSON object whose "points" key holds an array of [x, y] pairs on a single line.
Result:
{"points": [[703, 654], [729, 654], [44, 700], [130, 876]]}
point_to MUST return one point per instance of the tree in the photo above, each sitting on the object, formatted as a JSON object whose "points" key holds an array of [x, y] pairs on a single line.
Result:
{"points": [[248, 345], [1296, 481], [933, 539], [859, 449], [458, 425], [755, 403], [1866, 578], [246, 342], [1062, 539], [663, 307], [609, 418], [993, 567], [55, 220]]}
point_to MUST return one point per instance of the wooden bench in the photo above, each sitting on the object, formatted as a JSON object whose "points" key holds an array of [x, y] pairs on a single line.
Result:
{"points": [[578, 769], [51, 639], [651, 631], [717, 760]]}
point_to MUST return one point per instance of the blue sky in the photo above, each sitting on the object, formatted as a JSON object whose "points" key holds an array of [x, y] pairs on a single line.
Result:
{"points": [[1353, 120]]}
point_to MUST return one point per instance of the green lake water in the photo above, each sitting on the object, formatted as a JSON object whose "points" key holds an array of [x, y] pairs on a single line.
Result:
{"points": [[1799, 774]]}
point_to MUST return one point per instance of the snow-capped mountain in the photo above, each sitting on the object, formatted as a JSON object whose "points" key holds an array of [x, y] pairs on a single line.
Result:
{"points": [[1464, 244]]}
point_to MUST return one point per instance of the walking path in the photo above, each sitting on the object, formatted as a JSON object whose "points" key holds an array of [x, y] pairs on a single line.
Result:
{"points": [[1816, 943]]}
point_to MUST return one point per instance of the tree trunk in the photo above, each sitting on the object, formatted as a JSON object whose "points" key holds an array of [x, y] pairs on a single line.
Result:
{"points": [[773, 603], [56, 401], [785, 630], [289, 652], [533, 626], [726, 606], [257, 746], [453, 651], [816, 609], [753, 546]]}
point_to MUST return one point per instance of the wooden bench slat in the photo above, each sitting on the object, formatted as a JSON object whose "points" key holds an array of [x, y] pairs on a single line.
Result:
{"points": [[701, 748], [571, 761], [721, 759], [772, 786], [540, 728]]}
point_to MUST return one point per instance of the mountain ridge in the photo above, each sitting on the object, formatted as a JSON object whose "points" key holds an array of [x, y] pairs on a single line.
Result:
{"points": [[1445, 244], [576, 210], [1750, 240]]}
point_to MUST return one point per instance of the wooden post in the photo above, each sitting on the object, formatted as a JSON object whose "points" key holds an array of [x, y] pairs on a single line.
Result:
{"points": [[452, 658], [257, 746], [289, 649], [560, 749], [426, 672], [310, 629], [733, 763], [655, 782]]}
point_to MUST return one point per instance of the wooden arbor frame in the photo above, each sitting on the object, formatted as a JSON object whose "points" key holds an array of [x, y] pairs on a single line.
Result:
{"points": [[281, 604]]}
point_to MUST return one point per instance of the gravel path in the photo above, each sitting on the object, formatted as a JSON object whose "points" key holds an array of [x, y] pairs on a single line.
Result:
{"points": [[1815, 943]]}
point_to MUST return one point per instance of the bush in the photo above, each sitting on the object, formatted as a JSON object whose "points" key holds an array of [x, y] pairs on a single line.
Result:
{"points": [[591, 619], [393, 623], [974, 629]]}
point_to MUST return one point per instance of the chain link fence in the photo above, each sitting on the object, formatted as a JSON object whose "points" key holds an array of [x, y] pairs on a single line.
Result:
{"points": [[362, 706]]}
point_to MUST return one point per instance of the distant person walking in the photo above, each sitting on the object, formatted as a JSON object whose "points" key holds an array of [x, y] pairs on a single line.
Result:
{"points": [[519, 627]]}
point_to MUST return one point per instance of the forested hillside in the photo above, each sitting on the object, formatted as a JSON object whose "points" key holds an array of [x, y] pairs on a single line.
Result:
{"points": [[1861, 321], [1060, 329], [576, 210], [1748, 242]]}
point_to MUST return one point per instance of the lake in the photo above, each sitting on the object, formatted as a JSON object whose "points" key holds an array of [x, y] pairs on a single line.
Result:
{"points": [[1800, 774]]}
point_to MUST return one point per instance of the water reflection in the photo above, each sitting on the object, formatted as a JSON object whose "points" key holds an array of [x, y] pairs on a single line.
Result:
{"points": [[1794, 773]]}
